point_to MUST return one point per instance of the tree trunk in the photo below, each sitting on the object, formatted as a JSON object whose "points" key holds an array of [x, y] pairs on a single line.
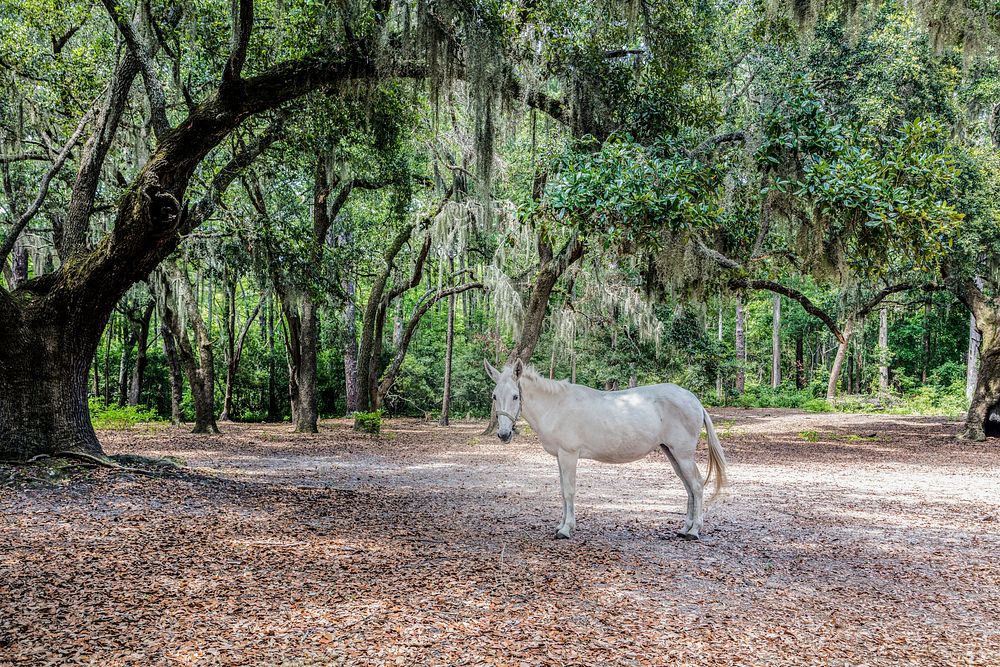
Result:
{"points": [[449, 349], [718, 373], [130, 333], [142, 347], [741, 347], [230, 351], [273, 411], [983, 418], [972, 359], [926, 353], [800, 364], [301, 342], [776, 342], [883, 350], [43, 385], [350, 346], [838, 362], [176, 381]]}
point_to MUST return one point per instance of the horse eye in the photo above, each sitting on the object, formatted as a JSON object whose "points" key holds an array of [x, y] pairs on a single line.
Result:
{"points": [[494, 397], [515, 397]]}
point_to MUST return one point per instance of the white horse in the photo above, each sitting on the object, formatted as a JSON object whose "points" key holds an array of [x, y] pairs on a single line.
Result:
{"points": [[575, 421]]}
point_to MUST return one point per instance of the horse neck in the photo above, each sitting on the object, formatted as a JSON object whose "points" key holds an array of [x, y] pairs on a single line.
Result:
{"points": [[536, 401]]}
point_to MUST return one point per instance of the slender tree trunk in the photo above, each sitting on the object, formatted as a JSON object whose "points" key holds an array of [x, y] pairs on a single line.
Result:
{"points": [[449, 349], [350, 347], [142, 347], [18, 273], [926, 355], [972, 359], [230, 351], [107, 360], [800, 365], [838, 361], [130, 334], [176, 380], [741, 347], [718, 373], [851, 356], [776, 342], [273, 411], [883, 350]]}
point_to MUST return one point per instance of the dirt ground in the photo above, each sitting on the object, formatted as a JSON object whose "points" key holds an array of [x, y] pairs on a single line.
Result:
{"points": [[844, 540]]}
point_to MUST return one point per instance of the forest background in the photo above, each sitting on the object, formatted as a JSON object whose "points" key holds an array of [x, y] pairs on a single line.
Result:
{"points": [[291, 210]]}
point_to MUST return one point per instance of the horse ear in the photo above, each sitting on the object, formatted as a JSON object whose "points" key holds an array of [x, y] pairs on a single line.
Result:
{"points": [[492, 372], [518, 368]]}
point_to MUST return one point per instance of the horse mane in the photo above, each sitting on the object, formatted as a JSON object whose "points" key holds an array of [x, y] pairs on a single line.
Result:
{"points": [[542, 382]]}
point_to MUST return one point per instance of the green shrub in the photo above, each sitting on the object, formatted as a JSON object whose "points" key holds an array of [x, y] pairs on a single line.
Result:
{"points": [[368, 422], [115, 416], [817, 405]]}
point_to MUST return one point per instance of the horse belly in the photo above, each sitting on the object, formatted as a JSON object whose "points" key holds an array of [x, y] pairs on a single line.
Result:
{"points": [[621, 443]]}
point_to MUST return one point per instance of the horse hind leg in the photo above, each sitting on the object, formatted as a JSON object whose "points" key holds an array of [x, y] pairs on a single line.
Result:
{"points": [[689, 469], [689, 517]]}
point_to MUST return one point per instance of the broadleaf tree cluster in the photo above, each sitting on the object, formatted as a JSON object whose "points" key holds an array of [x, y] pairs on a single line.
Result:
{"points": [[261, 210]]}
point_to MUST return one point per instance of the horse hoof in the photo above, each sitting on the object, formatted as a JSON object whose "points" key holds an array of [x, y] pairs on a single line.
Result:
{"points": [[562, 536], [687, 536]]}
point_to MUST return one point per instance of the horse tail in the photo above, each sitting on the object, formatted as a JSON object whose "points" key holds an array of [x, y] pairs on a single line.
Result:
{"points": [[716, 457]]}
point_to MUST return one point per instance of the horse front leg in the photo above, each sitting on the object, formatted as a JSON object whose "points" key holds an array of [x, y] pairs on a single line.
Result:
{"points": [[567, 480]]}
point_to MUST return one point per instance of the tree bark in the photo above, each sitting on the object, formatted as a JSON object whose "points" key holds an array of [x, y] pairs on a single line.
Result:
{"points": [[883, 350], [43, 386], [741, 347], [776, 342], [552, 268]]}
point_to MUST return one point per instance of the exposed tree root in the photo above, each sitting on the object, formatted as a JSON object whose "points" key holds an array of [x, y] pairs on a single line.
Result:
{"points": [[103, 461]]}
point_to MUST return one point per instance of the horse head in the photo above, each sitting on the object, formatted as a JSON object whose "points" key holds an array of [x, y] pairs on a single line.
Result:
{"points": [[506, 396]]}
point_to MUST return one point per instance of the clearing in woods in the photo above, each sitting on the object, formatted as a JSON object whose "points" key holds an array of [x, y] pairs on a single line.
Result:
{"points": [[844, 540]]}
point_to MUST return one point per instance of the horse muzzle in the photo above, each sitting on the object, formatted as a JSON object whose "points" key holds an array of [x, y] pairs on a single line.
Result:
{"points": [[506, 437]]}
